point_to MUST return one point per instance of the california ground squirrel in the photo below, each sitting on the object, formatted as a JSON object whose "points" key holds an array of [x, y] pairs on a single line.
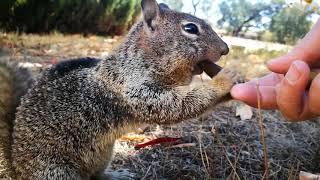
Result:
{"points": [[67, 122]]}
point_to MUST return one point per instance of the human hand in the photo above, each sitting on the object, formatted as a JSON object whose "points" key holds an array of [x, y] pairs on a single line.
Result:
{"points": [[307, 50], [287, 93]]}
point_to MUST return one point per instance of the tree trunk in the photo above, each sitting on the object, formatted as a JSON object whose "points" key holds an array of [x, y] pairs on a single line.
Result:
{"points": [[236, 32]]}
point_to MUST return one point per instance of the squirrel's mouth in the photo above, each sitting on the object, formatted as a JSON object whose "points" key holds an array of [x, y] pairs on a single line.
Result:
{"points": [[206, 66]]}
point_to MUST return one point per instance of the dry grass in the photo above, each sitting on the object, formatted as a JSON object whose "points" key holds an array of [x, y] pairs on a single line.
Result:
{"points": [[232, 149], [250, 63], [263, 135], [54, 47], [222, 146]]}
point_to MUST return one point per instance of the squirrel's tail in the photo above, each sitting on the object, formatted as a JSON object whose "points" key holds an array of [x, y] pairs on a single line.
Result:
{"points": [[14, 83]]}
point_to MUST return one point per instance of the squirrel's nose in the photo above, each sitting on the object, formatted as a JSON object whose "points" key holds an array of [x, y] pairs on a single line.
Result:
{"points": [[224, 49]]}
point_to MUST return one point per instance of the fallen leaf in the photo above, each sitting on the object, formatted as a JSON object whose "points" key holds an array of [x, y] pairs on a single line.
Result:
{"points": [[244, 111], [162, 140], [134, 138], [182, 145], [308, 176]]}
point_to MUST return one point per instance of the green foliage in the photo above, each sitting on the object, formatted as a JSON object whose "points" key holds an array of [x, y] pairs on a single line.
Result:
{"points": [[241, 53], [176, 5], [71, 16], [118, 15], [5, 11], [267, 36], [290, 24], [206, 6], [240, 15]]}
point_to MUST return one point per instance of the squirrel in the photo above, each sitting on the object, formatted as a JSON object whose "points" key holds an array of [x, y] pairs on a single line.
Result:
{"points": [[14, 83], [66, 124]]}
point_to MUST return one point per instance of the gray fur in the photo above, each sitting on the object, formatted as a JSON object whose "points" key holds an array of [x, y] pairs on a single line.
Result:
{"points": [[14, 83], [67, 123]]}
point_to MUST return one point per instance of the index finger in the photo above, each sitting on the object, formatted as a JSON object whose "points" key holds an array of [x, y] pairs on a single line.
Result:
{"points": [[307, 50], [271, 79], [283, 63]]}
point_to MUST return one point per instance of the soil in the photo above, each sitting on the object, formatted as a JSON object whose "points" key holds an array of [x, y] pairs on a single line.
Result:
{"points": [[219, 146]]}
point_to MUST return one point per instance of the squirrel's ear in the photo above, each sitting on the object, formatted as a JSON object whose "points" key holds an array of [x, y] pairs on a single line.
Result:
{"points": [[163, 6], [150, 11]]}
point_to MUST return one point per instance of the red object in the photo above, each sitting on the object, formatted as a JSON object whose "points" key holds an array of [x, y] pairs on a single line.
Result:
{"points": [[161, 140], [54, 61]]}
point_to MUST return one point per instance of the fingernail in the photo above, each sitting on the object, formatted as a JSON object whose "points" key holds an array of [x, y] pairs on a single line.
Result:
{"points": [[271, 62], [293, 74], [237, 90], [238, 86]]}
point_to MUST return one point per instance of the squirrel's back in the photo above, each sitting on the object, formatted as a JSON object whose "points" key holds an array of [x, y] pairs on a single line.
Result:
{"points": [[14, 83]]}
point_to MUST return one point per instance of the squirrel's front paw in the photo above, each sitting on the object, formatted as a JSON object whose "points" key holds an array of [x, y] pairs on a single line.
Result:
{"points": [[225, 79], [234, 76]]}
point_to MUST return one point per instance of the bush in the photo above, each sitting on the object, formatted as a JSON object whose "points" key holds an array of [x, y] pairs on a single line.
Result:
{"points": [[5, 7], [70, 16], [118, 15], [268, 36], [290, 24]]}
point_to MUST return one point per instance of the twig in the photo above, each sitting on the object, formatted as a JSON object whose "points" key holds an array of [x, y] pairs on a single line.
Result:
{"points": [[195, 4], [201, 153], [182, 145], [144, 177], [241, 146], [297, 170], [226, 155], [207, 159], [266, 168], [291, 173]]}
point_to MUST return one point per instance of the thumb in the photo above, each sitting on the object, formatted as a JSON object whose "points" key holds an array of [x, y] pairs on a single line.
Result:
{"points": [[291, 91]]}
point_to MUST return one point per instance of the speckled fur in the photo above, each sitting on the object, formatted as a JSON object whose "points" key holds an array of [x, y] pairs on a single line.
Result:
{"points": [[67, 123], [14, 82]]}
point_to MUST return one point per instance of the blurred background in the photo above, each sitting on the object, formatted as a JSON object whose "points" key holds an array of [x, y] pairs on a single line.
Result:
{"points": [[255, 30], [278, 21], [283, 21], [39, 33]]}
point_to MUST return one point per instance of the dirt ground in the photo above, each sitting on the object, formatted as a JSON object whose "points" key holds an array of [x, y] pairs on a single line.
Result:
{"points": [[220, 146]]}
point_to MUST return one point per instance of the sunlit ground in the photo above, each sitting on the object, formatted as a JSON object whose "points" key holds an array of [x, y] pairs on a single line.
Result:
{"points": [[220, 146]]}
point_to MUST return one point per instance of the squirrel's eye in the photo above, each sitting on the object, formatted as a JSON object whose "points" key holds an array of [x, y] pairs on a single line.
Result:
{"points": [[191, 28]]}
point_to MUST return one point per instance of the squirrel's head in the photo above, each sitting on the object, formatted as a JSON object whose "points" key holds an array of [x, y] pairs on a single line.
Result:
{"points": [[174, 44]]}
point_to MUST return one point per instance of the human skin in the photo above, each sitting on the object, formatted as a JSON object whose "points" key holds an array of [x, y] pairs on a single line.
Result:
{"points": [[286, 87]]}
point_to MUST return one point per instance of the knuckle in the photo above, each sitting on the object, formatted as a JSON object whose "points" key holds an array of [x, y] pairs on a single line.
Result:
{"points": [[314, 109], [314, 98], [289, 110], [291, 118]]}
